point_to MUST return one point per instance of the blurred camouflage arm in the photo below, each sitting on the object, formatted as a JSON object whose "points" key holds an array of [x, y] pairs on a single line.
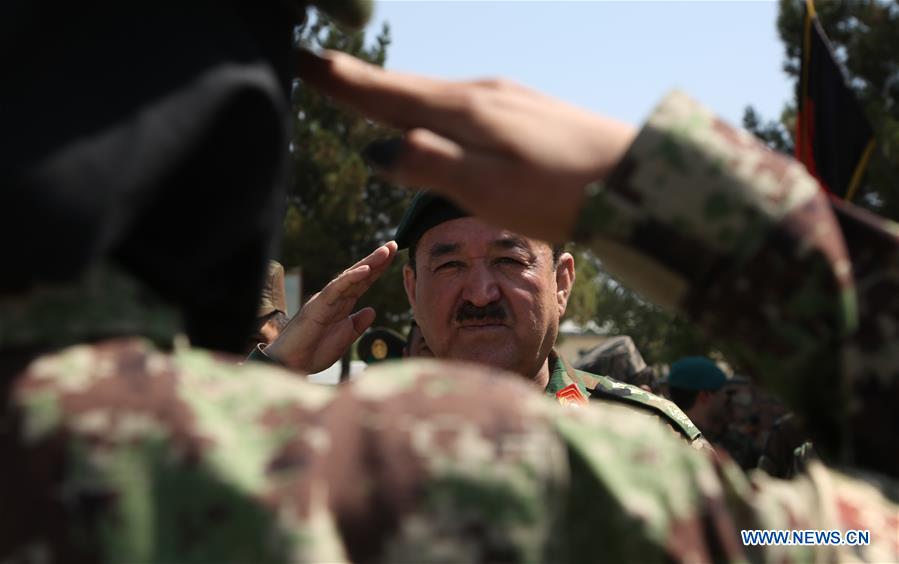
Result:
{"points": [[701, 217], [637, 494], [451, 463]]}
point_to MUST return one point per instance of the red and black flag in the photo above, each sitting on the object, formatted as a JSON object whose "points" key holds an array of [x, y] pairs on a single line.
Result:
{"points": [[833, 138]]}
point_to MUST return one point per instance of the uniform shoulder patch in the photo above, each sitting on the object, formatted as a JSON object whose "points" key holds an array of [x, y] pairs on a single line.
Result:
{"points": [[605, 387]]}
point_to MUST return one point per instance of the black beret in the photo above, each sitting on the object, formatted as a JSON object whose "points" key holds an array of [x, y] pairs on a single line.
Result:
{"points": [[426, 210], [379, 344]]}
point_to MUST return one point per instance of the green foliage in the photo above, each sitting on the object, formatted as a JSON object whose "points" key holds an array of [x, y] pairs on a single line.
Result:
{"points": [[774, 133], [865, 37], [337, 211], [584, 297]]}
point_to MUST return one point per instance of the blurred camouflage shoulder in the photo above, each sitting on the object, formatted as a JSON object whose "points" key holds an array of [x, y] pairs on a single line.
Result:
{"points": [[163, 457], [800, 289], [639, 494], [118, 451]]}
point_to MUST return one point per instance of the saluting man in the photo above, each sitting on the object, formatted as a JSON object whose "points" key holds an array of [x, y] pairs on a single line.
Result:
{"points": [[489, 295]]}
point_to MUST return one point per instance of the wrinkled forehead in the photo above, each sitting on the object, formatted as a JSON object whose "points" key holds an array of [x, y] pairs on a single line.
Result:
{"points": [[475, 237]]}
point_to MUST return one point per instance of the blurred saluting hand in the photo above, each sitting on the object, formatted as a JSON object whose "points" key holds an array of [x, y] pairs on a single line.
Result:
{"points": [[507, 153]]}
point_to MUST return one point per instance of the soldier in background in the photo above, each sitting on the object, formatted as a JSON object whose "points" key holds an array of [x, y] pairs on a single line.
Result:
{"points": [[618, 357], [271, 316], [752, 413], [696, 385]]}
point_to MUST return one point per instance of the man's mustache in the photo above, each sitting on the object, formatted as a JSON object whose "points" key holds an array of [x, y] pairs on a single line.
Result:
{"points": [[491, 312]]}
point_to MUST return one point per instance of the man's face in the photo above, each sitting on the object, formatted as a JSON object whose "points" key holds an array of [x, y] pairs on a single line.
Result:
{"points": [[416, 346], [488, 295]]}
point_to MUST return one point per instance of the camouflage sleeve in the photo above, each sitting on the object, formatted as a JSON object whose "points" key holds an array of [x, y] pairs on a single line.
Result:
{"points": [[117, 452], [702, 218]]}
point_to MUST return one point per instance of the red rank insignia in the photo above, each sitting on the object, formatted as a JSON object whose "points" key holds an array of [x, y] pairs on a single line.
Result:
{"points": [[571, 395]]}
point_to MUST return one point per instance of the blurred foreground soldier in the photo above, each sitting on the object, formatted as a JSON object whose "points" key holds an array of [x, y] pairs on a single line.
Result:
{"points": [[695, 384], [271, 316], [700, 217], [618, 358], [379, 344], [480, 293]]}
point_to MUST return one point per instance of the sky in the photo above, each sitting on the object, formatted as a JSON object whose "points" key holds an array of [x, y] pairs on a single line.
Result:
{"points": [[617, 58]]}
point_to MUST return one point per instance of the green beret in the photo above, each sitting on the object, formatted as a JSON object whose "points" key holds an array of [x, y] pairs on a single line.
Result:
{"points": [[380, 344], [696, 373], [426, 210]]}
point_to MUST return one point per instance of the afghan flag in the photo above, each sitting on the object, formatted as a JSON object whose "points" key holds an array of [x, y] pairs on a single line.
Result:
{"points": [[833, 138]]}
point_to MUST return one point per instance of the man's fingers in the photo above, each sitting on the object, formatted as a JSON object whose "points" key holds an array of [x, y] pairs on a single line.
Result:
{"points": [[362, 320], [339, 288], [485, 184], [354, 281], [466, 175], [376, 263], [380, 257], [397, 99]]}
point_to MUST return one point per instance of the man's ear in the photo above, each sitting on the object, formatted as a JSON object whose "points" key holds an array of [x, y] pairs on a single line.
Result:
{"points": [[409, 285], [565, 276]]}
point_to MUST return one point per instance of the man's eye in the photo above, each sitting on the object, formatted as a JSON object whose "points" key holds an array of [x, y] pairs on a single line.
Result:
{"points": [[509, 261], [449, 265]]}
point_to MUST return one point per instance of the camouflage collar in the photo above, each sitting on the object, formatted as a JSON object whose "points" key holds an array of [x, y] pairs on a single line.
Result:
{"points": [[597, 387], [105, 302], [561, 374]]}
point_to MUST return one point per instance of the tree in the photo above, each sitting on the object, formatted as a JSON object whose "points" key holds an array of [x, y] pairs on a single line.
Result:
{"points": [[584, 297], [865, 36], [337, 211], [774, 133]]}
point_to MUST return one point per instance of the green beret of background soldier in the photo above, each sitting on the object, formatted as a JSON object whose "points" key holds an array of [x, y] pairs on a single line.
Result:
{"points": [[485, 294], [695, 384]]}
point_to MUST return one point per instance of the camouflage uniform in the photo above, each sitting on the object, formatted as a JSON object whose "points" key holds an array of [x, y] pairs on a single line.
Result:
{"points": [[797, 287], [116, 450], [608, 390]]}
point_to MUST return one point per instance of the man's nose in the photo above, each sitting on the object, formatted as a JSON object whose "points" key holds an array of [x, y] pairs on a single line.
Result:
{"points": [[480, 286]]}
